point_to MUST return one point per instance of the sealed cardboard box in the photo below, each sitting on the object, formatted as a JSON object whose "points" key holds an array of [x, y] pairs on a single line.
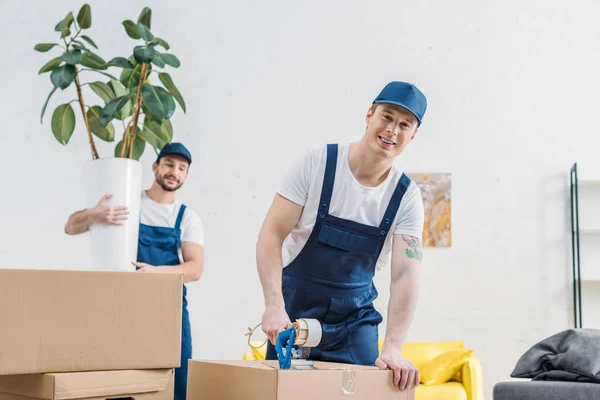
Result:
{"points": [[71, 321], [98, 385], [263, 380]]}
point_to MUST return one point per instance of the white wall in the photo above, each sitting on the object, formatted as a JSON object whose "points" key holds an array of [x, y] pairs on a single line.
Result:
{"points": [[512, 88]]}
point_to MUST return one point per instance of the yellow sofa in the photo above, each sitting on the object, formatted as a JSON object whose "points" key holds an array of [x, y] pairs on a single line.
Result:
{"points": [[466, 384]]}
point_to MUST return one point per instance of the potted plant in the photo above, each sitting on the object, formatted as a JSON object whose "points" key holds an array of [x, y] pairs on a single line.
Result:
{"points": [[142, 108]]}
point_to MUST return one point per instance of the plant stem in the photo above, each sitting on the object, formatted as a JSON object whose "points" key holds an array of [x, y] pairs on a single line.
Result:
{"points": [[82, 105], [125, 139], [74, 37], [138, 106], [100, 72], [85, 118]]}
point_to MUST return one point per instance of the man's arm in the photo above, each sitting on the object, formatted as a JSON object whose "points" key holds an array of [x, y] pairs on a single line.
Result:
{"points": [[80, 221], [191, 268], [281, 218], [404, 291]]}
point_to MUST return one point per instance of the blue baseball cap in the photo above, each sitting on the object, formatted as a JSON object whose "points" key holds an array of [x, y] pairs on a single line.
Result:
{"points": [[405, 95], [175, 149]]}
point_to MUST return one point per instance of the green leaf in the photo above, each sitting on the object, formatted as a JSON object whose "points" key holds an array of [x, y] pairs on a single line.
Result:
{"points": [[84, 18], [145, 17], [57, 27], [50, 65], [65, 25], [89, 40], [112, 108], [120, 62], [159, 129], [72, 58], [63, 123], [162, 127], [144, 32], [93, 61], [138, 148], [150, 136], [168, 82], [171, 60], [131, 29], [157, 60], [63, 76], [131, 78], [79, 46], [144, 54], [167, 129], [46, 103], [160, 42], [120, 91], [103, 90], [158, 100], [105, 133], [44, 47]]}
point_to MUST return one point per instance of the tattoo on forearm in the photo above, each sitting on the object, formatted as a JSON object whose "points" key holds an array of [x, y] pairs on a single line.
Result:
{"points": [[414, 247]]}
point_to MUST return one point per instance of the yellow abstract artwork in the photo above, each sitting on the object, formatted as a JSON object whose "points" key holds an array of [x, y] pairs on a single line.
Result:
{"points": [[435, 191]]}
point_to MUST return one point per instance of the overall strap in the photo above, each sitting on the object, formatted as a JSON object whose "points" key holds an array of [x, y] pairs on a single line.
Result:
{"points": [[180, 217], [392, 208], [327, 190]]}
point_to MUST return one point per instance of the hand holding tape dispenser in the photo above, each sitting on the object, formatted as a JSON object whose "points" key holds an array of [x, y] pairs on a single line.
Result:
{"points": [[294, 343]]}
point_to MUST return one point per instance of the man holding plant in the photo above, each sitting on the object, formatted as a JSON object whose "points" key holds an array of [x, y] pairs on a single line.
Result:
{"points": [[171, 236]]}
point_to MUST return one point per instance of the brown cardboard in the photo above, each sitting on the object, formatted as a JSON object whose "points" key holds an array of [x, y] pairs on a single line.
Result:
{"points": [[263, 380], [71, 321], [100, 385]]}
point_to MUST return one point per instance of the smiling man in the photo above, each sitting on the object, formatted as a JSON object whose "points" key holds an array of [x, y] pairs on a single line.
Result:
{"points": [[341, 213], [171, 236]]}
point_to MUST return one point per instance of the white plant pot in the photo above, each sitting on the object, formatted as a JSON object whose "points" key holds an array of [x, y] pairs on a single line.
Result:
{"points": [[114, 247]]}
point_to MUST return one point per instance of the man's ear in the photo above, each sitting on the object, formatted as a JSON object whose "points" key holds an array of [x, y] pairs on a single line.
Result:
{"points": [[155, 167], [369, 115], [414, 134]]}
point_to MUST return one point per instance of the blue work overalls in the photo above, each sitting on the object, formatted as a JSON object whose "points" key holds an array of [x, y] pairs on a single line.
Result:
{"points": [[331, 279], [159, 245]]}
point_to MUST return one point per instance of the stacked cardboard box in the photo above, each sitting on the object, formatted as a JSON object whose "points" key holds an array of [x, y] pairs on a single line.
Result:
{"points": [[263, 380], [88, 334]]}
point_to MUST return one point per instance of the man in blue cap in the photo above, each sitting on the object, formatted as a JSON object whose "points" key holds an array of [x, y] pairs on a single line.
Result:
{"points": [[340, 214], [171, 236]]}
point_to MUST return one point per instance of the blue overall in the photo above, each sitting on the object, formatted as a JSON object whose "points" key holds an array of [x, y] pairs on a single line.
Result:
{"points": [[159, 245], [331, 279]]}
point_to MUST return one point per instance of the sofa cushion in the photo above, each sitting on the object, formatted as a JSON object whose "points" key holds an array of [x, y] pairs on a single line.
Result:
{"points": [[446, 391], [420, 352], [546, 390], [444, 366]]}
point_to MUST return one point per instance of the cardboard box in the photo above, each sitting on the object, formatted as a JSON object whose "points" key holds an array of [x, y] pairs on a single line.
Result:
{"points": [[100, 385], [263, 380], [71, 321]]}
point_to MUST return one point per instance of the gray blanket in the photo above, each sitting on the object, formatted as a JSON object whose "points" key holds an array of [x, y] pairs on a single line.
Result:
{"points": [[571, 355]]}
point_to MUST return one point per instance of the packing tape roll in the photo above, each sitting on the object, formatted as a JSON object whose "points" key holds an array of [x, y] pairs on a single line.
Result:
{"points": [[314, 330]]}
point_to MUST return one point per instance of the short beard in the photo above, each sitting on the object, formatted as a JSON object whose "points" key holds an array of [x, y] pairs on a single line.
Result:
{"points": [[161, 181]]}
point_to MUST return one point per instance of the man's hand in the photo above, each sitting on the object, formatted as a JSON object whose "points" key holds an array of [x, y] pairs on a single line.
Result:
{"points": [[406, 375], [105, 214], [143, 267], [274, 320]]}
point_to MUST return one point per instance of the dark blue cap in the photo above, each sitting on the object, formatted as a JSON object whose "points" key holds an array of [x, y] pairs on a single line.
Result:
{"points": [[175, 149], [405, 95]]}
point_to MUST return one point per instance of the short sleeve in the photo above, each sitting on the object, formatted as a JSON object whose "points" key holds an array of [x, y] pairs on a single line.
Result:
{"points": [[192, 229], [411, 214], [297, 180]]}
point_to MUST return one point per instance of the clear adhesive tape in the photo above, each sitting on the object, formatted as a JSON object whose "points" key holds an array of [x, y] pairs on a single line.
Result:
{"points": [[348, 382]]}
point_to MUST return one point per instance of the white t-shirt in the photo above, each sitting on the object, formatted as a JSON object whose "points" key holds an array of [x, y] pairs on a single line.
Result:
{"points": [[157, 214], [350, 200]]}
